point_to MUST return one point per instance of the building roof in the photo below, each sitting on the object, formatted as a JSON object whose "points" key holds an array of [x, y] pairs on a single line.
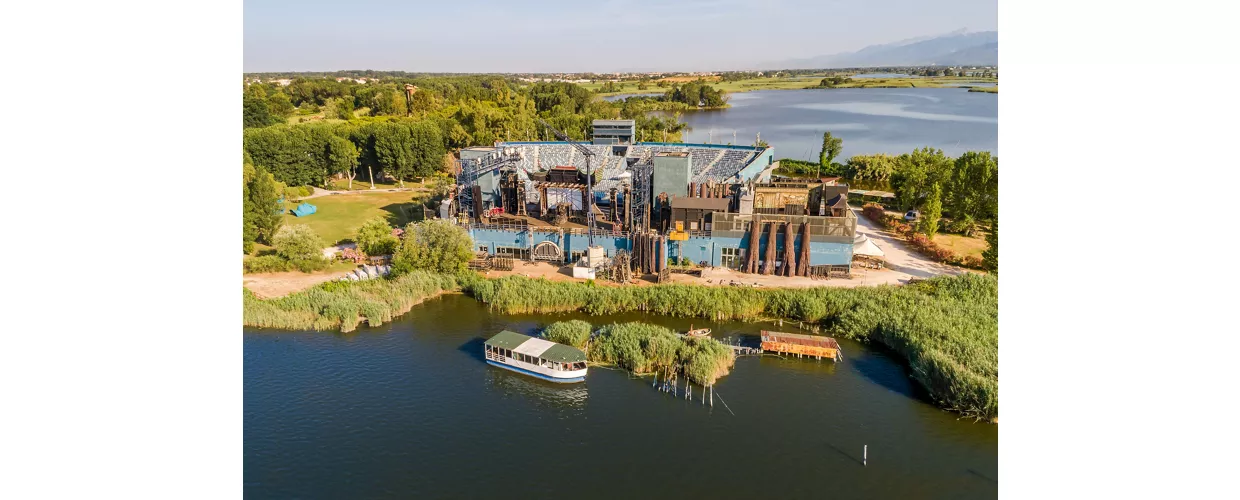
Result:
{"points": [[615, 122], [536, 347], [799, 339], [716, 204]]}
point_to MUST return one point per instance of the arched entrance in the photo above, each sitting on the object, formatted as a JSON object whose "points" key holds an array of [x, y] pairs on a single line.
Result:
{"points": [[548, 251]]}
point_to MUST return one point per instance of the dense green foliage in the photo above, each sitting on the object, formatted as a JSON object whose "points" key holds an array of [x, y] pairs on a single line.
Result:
{"points": [[644, 348], [573, 332], [870, 167], [434, 245], [277, 263], [298, 242], [409, 139], [990, 256], [916, 172], [375, 237], [831, 147], [261, 213], [932, 212], [973, 187], [696, 94]]}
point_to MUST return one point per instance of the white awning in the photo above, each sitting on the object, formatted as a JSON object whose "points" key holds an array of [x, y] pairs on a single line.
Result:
{"points": [[864, 246], [534, 347]]}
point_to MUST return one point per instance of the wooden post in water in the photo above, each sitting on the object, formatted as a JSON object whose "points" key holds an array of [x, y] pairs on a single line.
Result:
{"points": [[865, 451]]}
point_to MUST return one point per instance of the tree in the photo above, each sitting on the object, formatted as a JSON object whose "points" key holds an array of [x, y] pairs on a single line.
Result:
{"points": [[876, 167], [914, 174], [434, 245], [990, 256], [973, 189], [341, 157], [255, 112], [831, 147], [280, 105], [375, 237], [298, 242], [261, 212], [932, 212]]}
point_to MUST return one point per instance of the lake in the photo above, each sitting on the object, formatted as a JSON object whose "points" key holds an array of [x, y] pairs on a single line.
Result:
{"points": [[892, 121], [410, 410]]}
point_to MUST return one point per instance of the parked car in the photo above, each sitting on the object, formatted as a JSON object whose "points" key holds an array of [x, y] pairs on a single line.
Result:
{"points": [[911, 216]]}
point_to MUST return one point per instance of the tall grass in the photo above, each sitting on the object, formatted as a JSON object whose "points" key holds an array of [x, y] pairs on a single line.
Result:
{"points": [[344, 304], [644, 348], [573, 332]]}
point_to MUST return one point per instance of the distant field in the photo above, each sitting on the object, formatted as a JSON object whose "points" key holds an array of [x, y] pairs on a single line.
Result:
{"points": [[988, 90], [802, 82], [339, 215]]}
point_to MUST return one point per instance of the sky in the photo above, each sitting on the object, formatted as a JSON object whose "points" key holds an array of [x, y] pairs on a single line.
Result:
{"points": [[543, 36]]}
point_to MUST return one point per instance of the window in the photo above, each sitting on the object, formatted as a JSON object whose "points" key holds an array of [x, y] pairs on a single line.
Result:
{"points": [[730, 257], [484, 248], [693, 225]]}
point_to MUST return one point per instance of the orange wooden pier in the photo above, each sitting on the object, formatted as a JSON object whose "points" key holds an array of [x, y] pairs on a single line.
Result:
{"points": [[801, 345]]}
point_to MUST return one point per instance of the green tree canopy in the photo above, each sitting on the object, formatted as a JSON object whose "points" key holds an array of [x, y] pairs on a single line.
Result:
{"points": [[932, 212], [262, 213], [434, 245], [375, 237], [973, 189], [831, 147], [990, 256], [870, 167], [298, 242], [916, 172]]}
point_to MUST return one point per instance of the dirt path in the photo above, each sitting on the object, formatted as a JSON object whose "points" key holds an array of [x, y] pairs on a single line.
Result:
{"points": [[901, 259], [271, 285]]}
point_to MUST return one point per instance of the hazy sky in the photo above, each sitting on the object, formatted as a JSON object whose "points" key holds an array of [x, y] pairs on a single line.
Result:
{"points": [[604, 35]]}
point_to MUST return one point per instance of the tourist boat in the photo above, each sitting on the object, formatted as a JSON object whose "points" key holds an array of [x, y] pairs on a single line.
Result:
{"points": [[700, 332], [539, 358]]}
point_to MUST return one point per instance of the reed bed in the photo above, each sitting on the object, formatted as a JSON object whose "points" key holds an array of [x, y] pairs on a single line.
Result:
{"points": [[573, 332], [345, 304], [643, 348]]}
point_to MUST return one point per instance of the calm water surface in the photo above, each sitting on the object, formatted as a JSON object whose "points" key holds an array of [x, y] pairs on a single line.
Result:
{"points": [[410, 410], [892, 121]]}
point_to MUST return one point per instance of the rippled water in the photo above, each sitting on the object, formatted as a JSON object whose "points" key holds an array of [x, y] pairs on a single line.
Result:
{"points": [[410, 409], [892, 121]]}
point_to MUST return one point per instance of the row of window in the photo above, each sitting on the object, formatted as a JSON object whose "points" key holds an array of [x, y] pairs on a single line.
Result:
{"points": [[554, 365]]}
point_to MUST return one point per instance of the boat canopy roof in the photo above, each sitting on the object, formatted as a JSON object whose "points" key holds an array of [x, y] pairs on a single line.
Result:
{"points": [[536, 347]]}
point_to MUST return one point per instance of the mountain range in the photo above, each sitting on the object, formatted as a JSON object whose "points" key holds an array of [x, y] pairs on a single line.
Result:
{"points": [[957, 48]]}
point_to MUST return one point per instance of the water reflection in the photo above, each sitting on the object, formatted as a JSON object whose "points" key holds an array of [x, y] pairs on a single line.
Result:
{"points": [[893, 110], [545, 395]]}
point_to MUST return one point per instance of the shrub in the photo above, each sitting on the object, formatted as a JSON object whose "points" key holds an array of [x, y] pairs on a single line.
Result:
{"points": [[375, 237], [247, 247], [575, 333], [434, 245], [298, 242], [266, 264], [309, 265], [352, 255]]}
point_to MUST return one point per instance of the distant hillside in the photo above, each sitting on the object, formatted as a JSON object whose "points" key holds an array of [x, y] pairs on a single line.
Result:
{"points": [[956, 48]]}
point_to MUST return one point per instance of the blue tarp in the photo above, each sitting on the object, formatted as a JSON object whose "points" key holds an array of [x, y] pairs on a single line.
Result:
{"points": [[304, 209]]}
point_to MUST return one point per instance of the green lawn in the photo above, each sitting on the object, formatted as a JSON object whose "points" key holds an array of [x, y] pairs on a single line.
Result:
{"points": [[962, 245], [339, 215]]}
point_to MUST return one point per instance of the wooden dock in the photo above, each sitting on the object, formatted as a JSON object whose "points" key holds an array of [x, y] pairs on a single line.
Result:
{"points": [[795, 344]]}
